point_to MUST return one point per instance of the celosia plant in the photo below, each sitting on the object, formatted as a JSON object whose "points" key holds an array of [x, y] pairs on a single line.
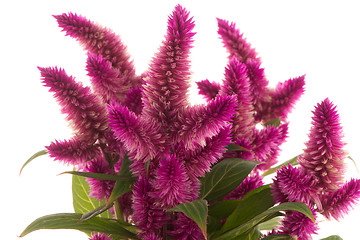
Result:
{"points": [[157, 167]]}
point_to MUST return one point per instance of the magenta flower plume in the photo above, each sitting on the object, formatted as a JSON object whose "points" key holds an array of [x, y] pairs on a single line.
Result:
{"points": [[149, 236], [72, 151], [107, 81], [208, 89], [147, 215], [200, 122], [100, 236], [324, 155], [257, 83], [97, 40], [140, 136], [266, 145], [235, 43], [283, 99], [133, 100], [185, 228], [237, 83], [298, 225], [171, 184], [199, 161], [99, 189], [252, 181], [340, 202], [294, 185], [169, 75], [82, 107]]}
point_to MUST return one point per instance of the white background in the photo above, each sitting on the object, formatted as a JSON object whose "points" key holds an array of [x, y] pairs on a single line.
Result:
{"points": [[316, 38]]}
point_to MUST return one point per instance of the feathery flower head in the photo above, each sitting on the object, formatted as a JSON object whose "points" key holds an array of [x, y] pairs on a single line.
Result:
{"points": [[324, 155], [293, 185], [252, 181], [73, 151], [337, 204], [236, 82], [298, 225], [171, 184], [82, 107], [165, 88], [234, 42], [97, 40], [208, 89], [185, 228]]}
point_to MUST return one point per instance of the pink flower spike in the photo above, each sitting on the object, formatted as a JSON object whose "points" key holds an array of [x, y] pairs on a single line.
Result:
{"points": [[83, 109], [166, 87], [340, 202], [97, 40], [185, 228], [171, 184], [73, 151], [100, 236], [324, 155], [142, 137], [107, 81], [208, 89], [234, 42], [200, 122], [236, 82]]}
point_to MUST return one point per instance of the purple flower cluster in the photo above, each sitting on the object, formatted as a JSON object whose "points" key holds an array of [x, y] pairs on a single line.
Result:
{"points": [[319, 181], [172, 144]]}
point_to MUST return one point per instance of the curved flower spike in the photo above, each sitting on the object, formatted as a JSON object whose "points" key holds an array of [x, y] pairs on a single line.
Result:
{"points": [[100, 236], [97, 40], [236, 82], [324, 155], [340, 202], [166, 87], [234, 42], [83, 108], [208, 89]]}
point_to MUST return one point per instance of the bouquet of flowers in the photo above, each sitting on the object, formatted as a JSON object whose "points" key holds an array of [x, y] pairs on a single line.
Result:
{"points": [[149, 165]]}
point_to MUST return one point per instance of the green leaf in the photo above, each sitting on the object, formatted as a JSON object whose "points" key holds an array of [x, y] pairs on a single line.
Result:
{"points": [[38, 154], [122, 186], [223, 209], [270, 224], [196, 210], [249, 207], [224, 177], [292, 161], [333, 237], [71, 221], [213, 225], [81, 200], [101, 176], [95, 212], [278, 237], [234, 147], [293, 206], [274, 122]]}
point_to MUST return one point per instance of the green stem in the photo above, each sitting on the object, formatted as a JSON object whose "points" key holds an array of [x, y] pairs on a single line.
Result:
{"points": [[118, 211]]}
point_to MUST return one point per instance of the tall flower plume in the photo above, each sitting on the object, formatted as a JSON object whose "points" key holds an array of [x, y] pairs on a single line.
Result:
{"points": [[166, 86], [208, 89], [324, 155]]}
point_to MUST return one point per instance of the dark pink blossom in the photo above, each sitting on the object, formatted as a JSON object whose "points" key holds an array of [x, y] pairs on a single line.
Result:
{"points": [[324, 155], [208, 89], [99, 236], [196, 123], [99, 189], [282, 100], [133, 100], [73, 151], [294, 185], [147, 216], [234, 42], [166, 88], [185, 229], [172, 185], [340, 202], [236, 82], [141, 136], [107, 81], [97, 40], [83, 109], [298, 225]]}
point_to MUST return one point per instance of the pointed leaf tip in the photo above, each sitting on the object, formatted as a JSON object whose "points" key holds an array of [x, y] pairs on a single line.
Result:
{"points": [[38, 154]]}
